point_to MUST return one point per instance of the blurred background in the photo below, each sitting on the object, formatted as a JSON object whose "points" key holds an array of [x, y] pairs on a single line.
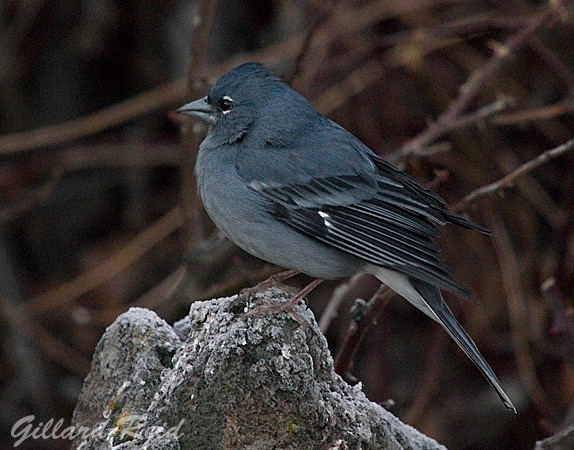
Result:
{"points": [[99, 212]]}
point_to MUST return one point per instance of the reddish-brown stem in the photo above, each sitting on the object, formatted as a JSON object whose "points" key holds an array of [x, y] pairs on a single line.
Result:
{"points": [[477, 80], [507, 180], [357, 330]]}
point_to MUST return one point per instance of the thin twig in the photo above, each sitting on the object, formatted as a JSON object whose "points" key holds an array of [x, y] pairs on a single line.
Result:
{"points": [[477, 80], [340, 294], [167, 95], [203, 22], [518, 316], [142, 243], [533, 191], [534, 114], [502, 54], [356, 82], [436, 129], [192, 133], [54, 348], [143, 154], [99, 121], [511, 177], [375, 307], [122, 155], [561, 440], [457, 28]]}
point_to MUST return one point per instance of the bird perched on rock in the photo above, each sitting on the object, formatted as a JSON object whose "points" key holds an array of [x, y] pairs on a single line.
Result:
{"points": [[293, 188]]}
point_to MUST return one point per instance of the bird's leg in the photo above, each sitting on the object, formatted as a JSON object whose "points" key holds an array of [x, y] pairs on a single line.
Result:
{"points": [[274, 279], [269, 282], [269, 307]]}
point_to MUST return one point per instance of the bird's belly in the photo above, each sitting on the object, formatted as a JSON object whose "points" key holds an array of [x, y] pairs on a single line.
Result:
{"points": [[245, 219]]}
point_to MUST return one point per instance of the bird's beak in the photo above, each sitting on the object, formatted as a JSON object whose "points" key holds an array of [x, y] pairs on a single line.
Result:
{"points": [[200, 109]]}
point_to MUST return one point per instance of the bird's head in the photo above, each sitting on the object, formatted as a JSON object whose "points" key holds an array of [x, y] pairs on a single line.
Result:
{"points": [[248, 95]]}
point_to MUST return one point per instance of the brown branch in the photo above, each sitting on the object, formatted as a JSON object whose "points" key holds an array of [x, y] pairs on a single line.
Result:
{"points": [[375, 307], [501, 55], [534, 114], [193, 132], [203, 22], [418, 145], [356, 82], [456, 28], [167, 95], [89, 156], [533, 191], [561, 440], [142, 243], [340, 294], [517, 313], [122, 155], [163, 96], [511, 177], [94, 123], [477, 80], [52, 347]]}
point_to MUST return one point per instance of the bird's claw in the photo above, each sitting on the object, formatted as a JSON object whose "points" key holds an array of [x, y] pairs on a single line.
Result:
{"points": [[268, 307]]}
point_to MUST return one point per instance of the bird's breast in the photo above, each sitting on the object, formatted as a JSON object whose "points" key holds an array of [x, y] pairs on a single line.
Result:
{"points": [[236, 209], [246, 217]]}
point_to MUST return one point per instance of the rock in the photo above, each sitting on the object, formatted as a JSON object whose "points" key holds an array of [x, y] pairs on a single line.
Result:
{"points": [[218, 380]]}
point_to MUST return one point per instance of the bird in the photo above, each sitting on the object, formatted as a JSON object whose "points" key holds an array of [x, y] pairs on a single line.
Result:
{"points": [[294, 188]]}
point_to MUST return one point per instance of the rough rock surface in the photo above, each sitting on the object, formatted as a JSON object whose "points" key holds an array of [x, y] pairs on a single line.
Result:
{"points": [[217, 380]]}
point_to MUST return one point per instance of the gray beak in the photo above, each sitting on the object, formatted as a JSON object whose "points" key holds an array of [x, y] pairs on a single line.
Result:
{"points": [[200, 109]]}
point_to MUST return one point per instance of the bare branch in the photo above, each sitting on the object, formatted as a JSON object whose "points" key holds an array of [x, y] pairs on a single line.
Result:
{"points": [[357, 330], [93, 123], [193, 133], [340, 294], [419, 145], [477, 80], [163, 96], [511, 177], [534, 114], [517, 313], [142, 243]]}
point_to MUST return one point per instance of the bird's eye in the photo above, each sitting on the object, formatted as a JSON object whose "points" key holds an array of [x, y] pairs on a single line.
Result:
{"points": [[226, 103]]}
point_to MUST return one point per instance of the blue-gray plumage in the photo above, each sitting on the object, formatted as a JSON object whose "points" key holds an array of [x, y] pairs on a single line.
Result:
{"points": [[294, 188]]}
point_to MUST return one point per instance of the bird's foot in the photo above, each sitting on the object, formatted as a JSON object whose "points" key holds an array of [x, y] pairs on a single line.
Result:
{"points": [[267, 307]]}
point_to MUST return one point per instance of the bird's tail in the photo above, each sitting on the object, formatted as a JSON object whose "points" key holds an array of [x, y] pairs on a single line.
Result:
{"points": [[429, 300]]}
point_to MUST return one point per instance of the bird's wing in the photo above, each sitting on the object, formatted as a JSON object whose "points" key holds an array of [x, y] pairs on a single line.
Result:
{"points": [[360, 205]]}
